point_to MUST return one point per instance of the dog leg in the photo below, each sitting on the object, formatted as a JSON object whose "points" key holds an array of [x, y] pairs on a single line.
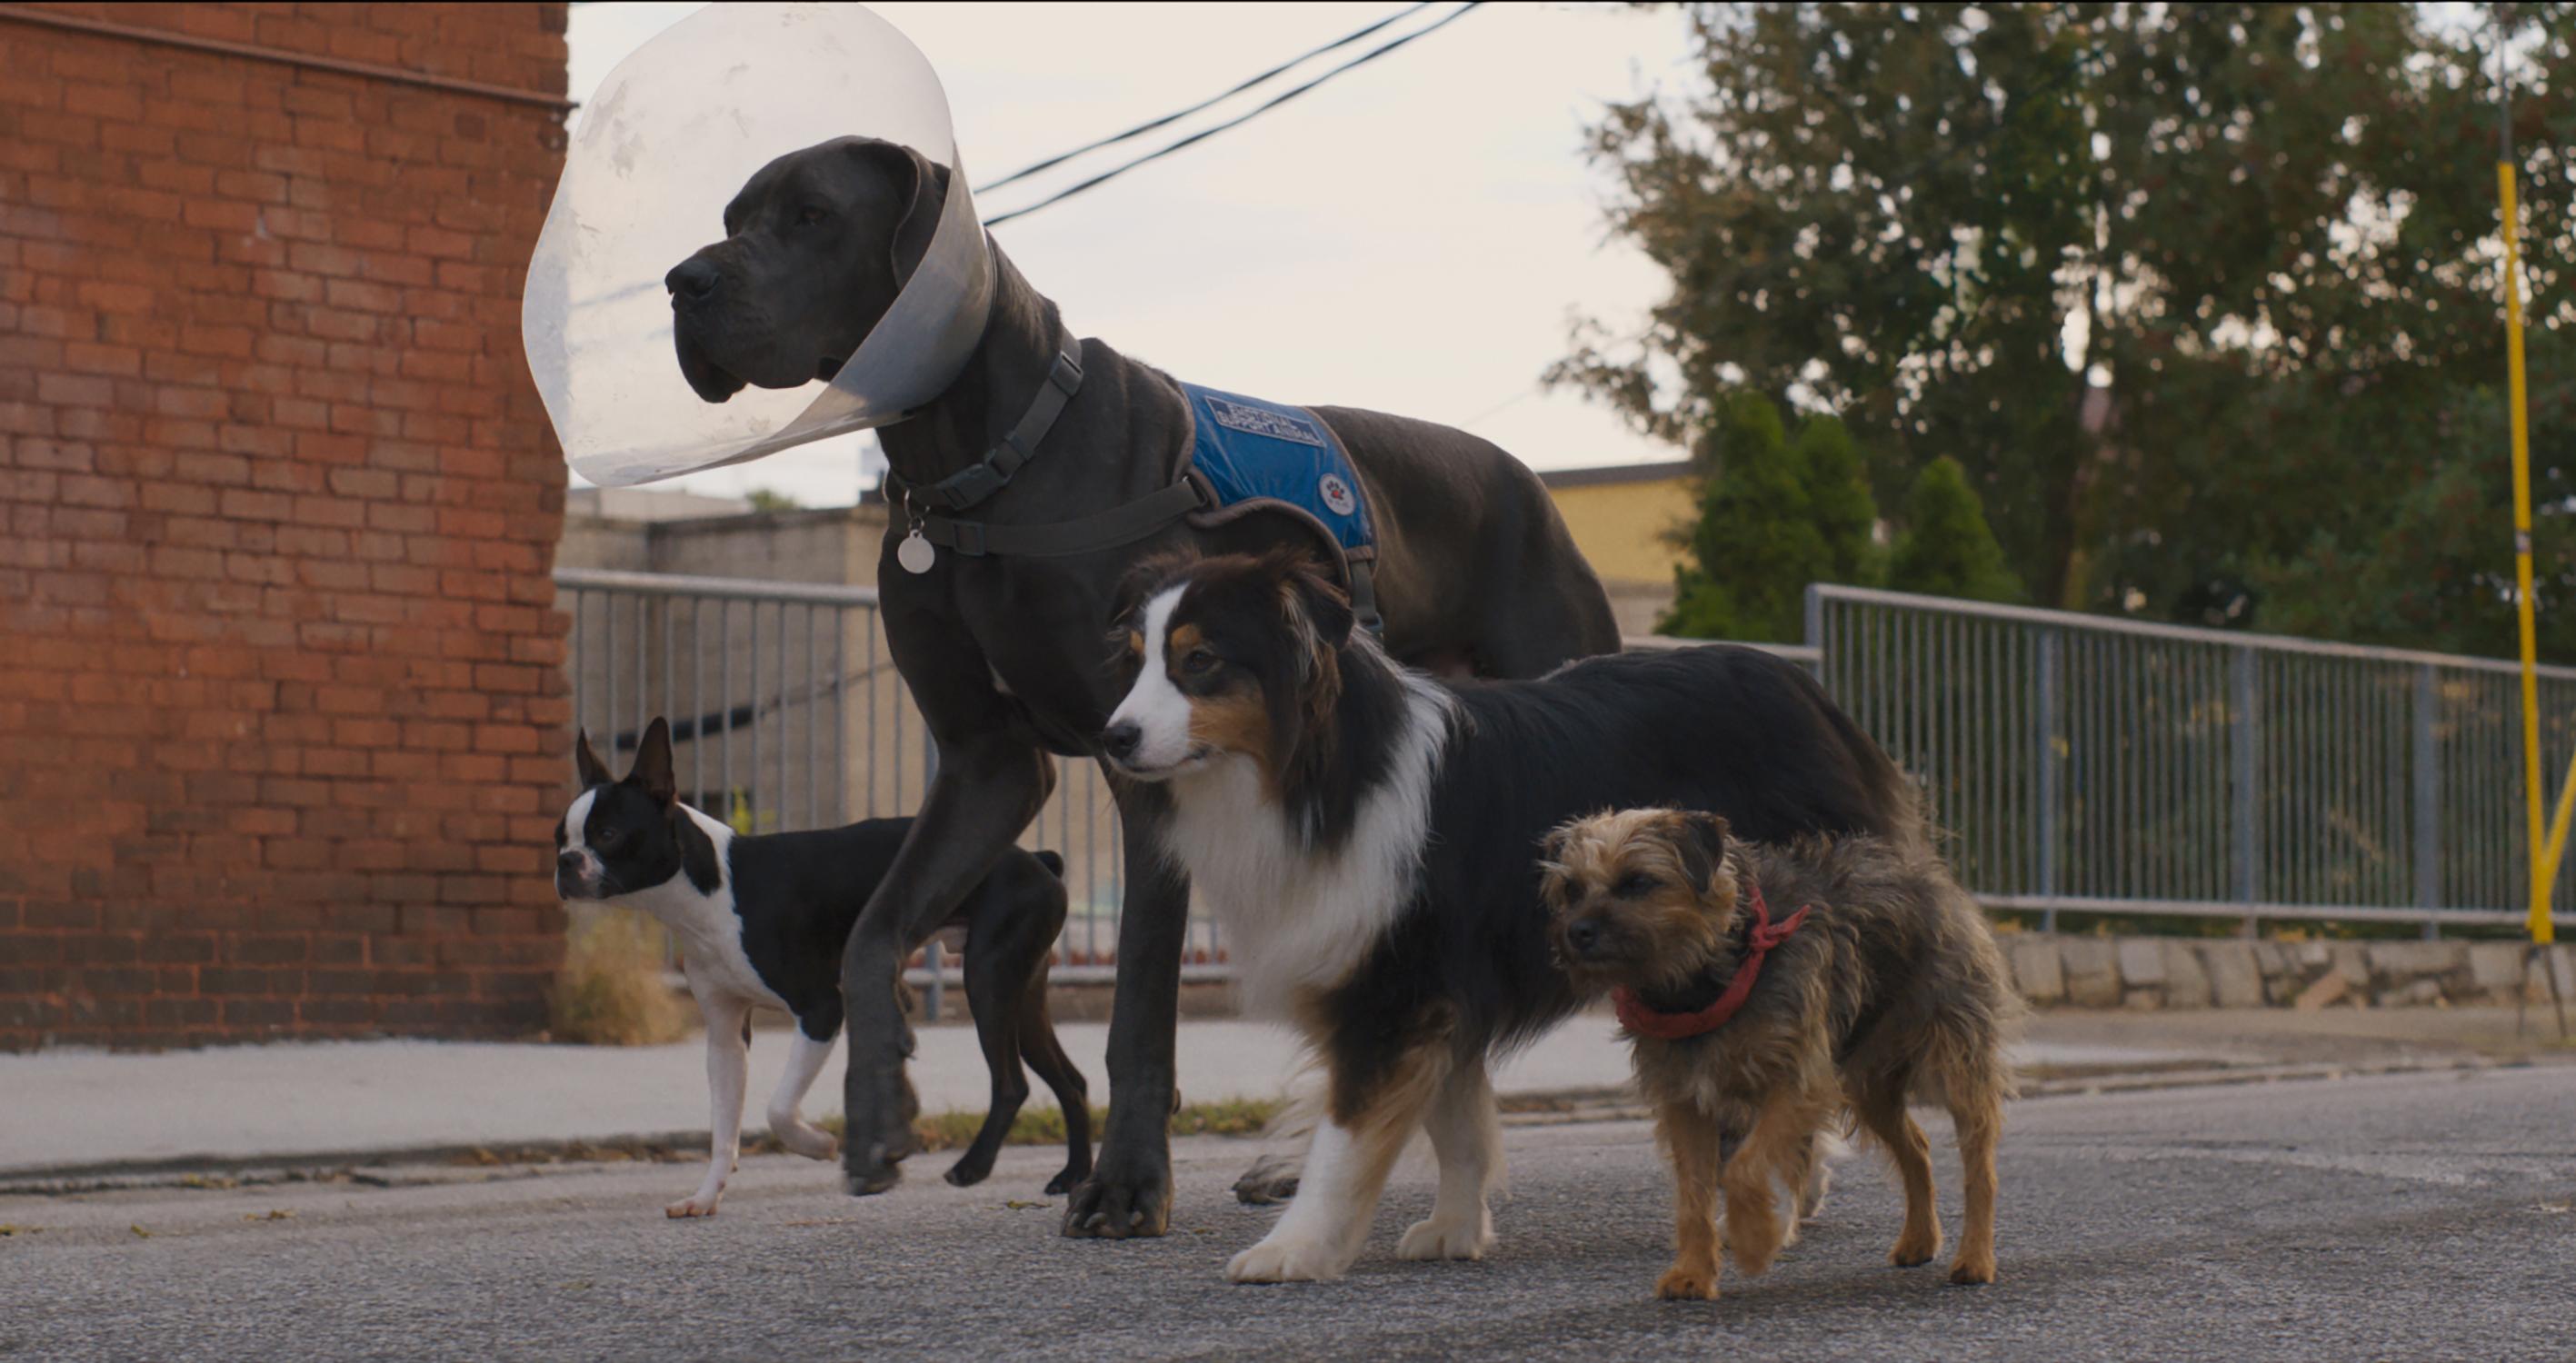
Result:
{"points": [[1772, 1150], [1346, 1169], [986, 790], [1822, 1150], [1885, 1117], [1468, 1140], [728, 1074], [787, 1122], [1690, 1140], [1045, 1054], [995, 1005], [1130, 1189], [1979, 1123]]}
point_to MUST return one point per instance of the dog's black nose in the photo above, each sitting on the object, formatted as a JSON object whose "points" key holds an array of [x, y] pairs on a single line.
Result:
{"points": [[1119, 740], [691, 278], [1582, 934]]}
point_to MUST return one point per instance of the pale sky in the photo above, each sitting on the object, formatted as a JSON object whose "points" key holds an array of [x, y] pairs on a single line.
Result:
{"points": [[1413, 236]]}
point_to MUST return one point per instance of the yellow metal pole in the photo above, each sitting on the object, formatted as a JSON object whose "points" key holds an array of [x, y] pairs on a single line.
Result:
{"points": [[2549, 859], [2539, 850]]}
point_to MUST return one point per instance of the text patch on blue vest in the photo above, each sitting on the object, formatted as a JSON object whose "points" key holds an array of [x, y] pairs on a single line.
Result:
{"points": [[1252, 451]]}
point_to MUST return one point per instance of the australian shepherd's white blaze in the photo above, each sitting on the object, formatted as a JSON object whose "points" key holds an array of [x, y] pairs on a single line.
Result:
{"points": [[1369, 837]]}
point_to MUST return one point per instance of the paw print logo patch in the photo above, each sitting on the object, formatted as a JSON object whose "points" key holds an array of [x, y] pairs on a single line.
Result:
{"points": [[1337, 495]]}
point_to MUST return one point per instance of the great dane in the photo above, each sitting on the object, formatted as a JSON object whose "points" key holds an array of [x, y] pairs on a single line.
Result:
{"points": [[1007, 653]]}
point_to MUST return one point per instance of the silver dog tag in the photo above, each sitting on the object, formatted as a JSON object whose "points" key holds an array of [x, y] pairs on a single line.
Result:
{"points": [[915, 553]]}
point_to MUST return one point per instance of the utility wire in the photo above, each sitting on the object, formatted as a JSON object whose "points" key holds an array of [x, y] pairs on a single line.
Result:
{"points": [[1177, 115], [1239, 120]]}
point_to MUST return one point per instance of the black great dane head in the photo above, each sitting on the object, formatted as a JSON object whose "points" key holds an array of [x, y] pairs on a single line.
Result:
{"points": [[816, 247]]}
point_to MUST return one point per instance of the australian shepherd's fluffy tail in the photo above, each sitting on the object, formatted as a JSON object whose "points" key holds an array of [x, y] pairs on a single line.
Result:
{"points": [[1370, 837]]}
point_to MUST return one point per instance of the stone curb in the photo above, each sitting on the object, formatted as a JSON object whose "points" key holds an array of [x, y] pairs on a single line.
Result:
{"points": [[2167, 972]]}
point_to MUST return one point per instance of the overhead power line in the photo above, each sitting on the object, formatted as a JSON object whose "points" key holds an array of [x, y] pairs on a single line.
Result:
{"points": [[1178, 114], [1239, 120]]}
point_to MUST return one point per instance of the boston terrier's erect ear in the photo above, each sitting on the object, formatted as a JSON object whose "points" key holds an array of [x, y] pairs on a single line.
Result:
{"points": [[586, 764], [652, 769]]}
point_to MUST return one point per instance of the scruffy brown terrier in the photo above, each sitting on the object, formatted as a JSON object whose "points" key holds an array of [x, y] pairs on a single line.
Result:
{"points": [[1768, 990]]}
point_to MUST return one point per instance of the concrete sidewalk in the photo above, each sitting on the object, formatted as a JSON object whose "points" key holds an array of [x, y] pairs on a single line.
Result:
{"points": [[90, 1110]]}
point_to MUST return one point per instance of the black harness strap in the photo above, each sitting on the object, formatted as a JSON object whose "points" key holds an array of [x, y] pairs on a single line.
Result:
{"points": [[1118, 525], [986, 476], [1364, 596], [981, 479]]}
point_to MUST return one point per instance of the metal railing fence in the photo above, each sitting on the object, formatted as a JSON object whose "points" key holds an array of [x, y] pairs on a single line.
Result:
{"points": [[2085, 763], [2078, 763]]}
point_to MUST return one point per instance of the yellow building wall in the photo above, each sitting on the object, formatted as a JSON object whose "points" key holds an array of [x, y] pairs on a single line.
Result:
{"points": [[1625, 529]]}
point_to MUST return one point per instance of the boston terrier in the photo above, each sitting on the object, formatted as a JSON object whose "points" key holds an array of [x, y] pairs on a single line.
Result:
{"points": [[761, 920]]}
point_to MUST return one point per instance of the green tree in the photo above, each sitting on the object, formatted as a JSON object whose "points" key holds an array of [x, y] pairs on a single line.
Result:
{"points": [[2440, 573], [1838, 500], [1755, 546], [1946, 548], [2193, 293], [1775, 514]]}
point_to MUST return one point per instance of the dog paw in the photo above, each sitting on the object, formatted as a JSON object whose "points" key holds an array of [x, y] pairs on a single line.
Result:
{"points": [[966, 1173], [871, 1180], [1437, 1239], [865, 1173], [1687, 1284], [1752, 1260], [1752, 1246], [1110, 1207], [1272, 1180], [703, 1204], [1973, 1272], [873, 1153], [1066, 1181], [811, 1142], [1915, 1251], [1287, 1261]]}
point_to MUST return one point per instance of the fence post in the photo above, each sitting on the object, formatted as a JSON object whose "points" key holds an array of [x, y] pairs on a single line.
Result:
{"points": [[2045, 752], [2428, 795], [2241, 801]]}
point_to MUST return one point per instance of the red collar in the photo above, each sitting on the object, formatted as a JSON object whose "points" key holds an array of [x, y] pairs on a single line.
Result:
{"points": [[1641, 1020]]}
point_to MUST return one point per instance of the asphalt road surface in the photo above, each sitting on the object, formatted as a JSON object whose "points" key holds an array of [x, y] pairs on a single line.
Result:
{"points": [[2414, 1216]]}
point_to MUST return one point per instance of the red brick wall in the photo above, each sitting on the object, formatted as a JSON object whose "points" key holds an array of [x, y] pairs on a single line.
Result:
{"points": [[281, 711]]}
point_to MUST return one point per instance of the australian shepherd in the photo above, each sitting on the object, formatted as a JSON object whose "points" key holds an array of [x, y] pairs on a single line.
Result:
{"points": [[1369, 838]]}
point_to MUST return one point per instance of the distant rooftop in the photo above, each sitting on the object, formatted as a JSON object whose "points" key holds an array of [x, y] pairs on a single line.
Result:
{"points": [[1655, 472], [648, 504]]}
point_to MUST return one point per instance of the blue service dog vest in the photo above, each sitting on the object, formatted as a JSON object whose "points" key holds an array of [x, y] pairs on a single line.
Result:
{"points": [[1247, 457], [1253, 455]]}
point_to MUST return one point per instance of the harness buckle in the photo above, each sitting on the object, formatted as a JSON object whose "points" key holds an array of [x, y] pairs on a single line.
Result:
{"points": [[973, 483]]}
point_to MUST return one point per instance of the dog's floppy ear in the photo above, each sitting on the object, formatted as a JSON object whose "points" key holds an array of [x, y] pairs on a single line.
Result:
{"points": [[922, 183], [1551, 864], [586, 764], [652, 769], [1316, 603], [1700, 841], [1141, 581], [1149, 575], [1551, 844]]}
